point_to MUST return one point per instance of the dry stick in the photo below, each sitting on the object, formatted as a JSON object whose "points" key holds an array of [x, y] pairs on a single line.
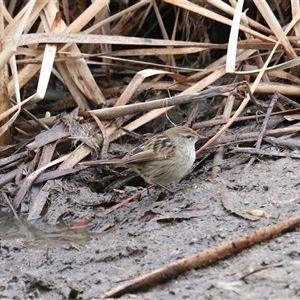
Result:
{"points": [[15, 157], [263, 129], [254, 151], [31, 178], [29, 125], [288, 100], [253, 136], [105, 143], [30, 115], [8, 177], [111, 209], [176, 268], [260, 269], [212, 123], [69, 162], [170, 58], [63, 38], [53, 175], [291, 144], [265, 122], [123, 110]]}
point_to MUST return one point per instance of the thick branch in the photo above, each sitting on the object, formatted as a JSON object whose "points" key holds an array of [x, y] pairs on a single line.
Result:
{"points": [[174, 269]]}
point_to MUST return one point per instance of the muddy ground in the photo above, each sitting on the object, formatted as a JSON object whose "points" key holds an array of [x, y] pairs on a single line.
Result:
{"points": [[149, 233]]}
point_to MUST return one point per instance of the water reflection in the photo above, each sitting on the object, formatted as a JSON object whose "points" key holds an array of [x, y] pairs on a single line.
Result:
{"points": [[39, 233]]}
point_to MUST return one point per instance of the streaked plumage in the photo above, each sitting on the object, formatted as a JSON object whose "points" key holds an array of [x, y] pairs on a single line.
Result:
{"points": [[163, 159]]}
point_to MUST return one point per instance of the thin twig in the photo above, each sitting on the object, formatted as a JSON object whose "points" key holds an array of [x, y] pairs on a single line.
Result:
{"points": [[263, 129], [212, 123], [105, 143], [23, 229], [287, 143], [252, 136], [265, 122], [288, 100], [260, 269], [111, 209], [254, 151], [30, 115]]}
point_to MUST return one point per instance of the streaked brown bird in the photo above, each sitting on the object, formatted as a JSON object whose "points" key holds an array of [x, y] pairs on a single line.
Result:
{"points": [[163, 159]]}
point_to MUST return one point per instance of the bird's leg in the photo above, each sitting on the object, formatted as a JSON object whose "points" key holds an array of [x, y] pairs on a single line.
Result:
{"points": [[171, 191], [148, 189]]}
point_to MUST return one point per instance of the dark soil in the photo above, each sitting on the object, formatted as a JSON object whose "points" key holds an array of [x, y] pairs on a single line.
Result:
{"points": [[149, 233]]}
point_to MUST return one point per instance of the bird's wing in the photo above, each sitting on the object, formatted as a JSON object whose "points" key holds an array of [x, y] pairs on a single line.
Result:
{"points": [[144, 156]]}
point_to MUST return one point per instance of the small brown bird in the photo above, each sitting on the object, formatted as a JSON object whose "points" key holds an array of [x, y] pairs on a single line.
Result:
{"points": [[163, 159]]}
